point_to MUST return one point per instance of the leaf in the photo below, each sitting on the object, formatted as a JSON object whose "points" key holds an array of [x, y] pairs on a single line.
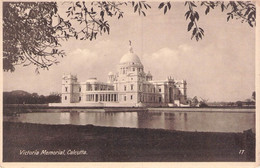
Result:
{"points": [[207, 11], [191, 17], [102, 14], [250, 15], [197, 37], [190, 26], [196, 15], [222, 6], [143, 13], [165, 9], [202, 31], [192, 4], [148, 6], [108, 29], [140, 4], [78, 4], [161, 5], [194, 32], [228, 18], [133, 3], [250, 23], [145, 6], [136, 6], [187, 14], [247, 11], [200, 35], [169, 5]]}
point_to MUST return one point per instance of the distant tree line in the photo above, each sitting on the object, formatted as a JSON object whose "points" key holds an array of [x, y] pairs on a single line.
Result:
{"points": [[22, 97], [195, 102]]}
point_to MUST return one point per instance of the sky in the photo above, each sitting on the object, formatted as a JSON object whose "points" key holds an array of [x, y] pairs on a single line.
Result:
{"points": [[220, 67]]}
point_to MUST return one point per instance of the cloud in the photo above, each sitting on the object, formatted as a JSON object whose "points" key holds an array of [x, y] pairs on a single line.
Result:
{"points": [[184, 48], [164, 62]]}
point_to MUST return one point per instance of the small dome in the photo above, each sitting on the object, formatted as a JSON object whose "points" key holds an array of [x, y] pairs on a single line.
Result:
{"points": [[110, 73], [149, 73]]}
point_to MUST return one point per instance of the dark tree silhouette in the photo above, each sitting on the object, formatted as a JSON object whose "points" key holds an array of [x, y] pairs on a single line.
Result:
{"points": [[31, 37], [253, 95]]}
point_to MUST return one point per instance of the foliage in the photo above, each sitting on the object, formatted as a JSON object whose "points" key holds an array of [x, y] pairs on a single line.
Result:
{"points": [[22, 97], [203, 104], [253, 95], [31, 37], [239, 103], [194, 102], [242, 10]]}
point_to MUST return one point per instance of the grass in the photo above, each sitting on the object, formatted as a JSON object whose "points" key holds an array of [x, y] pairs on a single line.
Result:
{"points": [[108, 144]]}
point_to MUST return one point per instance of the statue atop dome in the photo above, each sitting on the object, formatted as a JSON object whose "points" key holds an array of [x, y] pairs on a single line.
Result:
{"points": [[130, 47]]}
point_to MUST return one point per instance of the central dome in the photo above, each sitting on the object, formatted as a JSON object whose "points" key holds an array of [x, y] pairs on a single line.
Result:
{"points": [[130, 57]]}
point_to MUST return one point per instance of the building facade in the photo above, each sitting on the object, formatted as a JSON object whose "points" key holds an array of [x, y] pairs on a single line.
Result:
{"points": [[130, 86]]}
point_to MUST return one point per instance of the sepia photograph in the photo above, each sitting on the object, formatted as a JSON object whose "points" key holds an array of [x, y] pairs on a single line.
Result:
{"points": [[128, 81]]}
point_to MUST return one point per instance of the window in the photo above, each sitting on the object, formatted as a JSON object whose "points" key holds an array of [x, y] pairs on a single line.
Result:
{"points": [[79, 98], [66, 89], [133, 69], [125, 98], [131, 78], [79, 89], [125, 88], [160, 89], [65, 97], [131, 97], [132, 87], [160, 99]]}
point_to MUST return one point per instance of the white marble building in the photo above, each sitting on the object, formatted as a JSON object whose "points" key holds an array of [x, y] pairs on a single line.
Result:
{"points": [[129, 86]]}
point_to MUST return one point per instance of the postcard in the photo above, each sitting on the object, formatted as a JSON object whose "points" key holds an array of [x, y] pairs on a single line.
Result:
{"points": [[130, 84]]}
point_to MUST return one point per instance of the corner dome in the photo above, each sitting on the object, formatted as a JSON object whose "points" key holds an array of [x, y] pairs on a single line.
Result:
{"points": [[149, 74]]}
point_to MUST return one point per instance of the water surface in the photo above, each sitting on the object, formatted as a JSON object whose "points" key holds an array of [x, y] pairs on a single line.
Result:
{"points": [[182, 121]]}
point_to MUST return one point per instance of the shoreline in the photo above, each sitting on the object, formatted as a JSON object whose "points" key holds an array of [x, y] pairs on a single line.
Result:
{"points": [[111, 144], [45, 108]]}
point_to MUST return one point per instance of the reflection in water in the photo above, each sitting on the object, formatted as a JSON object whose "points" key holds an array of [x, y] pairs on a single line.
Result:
{"points": [[191, 121], [74, 118], [185, 121]]}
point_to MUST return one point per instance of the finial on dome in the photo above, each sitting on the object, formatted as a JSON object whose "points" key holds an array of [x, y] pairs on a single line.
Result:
{"points": [[130, 47]]}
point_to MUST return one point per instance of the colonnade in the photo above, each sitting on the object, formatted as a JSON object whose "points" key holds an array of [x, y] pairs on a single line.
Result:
{"points": [[108, 97]]}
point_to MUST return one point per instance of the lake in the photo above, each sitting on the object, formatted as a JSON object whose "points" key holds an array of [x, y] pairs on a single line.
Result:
{"points": [[180, 121]]}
